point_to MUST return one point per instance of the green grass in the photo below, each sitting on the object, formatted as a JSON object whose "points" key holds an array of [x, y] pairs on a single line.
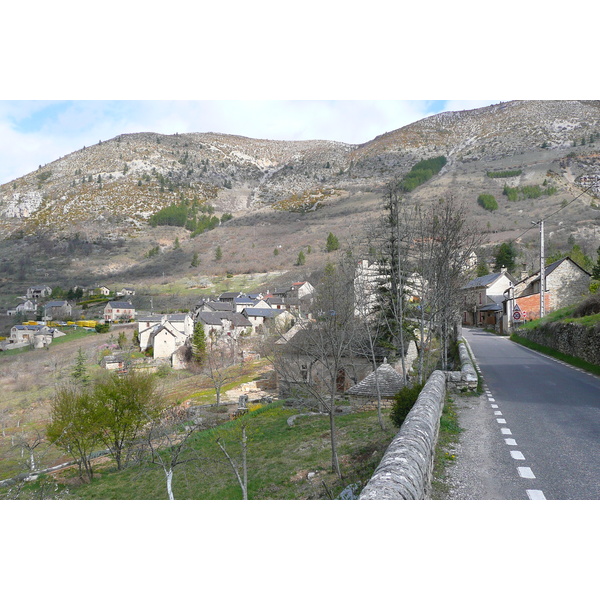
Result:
{"points": [[279, 460], [444, 453]]}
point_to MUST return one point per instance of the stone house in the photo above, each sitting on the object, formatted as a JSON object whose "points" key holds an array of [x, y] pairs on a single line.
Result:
{"points": [[212, 306], [300, 290], [57, 309], [229, 296], [566, 283], [300, 368], [483, 298], [39, 291], [39, 336], [223, 323], [118, 311], [242, 302], [267, 317]]}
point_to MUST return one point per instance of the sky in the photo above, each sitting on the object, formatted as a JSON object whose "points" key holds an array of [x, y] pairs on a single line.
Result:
{"points": [[36, 132]]}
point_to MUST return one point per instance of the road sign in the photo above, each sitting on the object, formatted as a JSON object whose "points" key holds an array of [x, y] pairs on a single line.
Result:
{"points": [[516, 315]]}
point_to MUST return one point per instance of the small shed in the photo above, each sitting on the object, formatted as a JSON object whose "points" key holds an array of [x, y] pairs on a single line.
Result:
{"points": [[364, 393]]}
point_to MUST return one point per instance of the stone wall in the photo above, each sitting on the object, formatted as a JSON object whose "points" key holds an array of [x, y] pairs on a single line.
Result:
{"points": [[572, 339], [405, 470]]}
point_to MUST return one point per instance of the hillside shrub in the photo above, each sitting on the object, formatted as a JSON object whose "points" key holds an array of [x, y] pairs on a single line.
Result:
{"points": [[422, 172], [173, 215], [512, 193], [488, 202], [495, 174], [528, 191], [531, 191], [404, 400], [590, 306]]}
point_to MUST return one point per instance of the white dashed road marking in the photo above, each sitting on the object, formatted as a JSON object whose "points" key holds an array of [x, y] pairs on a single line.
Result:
{"points": [[536, 495], [526, 472]]}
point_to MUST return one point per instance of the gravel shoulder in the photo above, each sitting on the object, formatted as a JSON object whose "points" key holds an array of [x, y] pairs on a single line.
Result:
{"points": [[476, 473]]}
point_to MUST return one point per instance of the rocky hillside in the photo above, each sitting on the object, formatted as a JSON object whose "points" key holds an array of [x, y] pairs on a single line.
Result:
{"points": [[98, 200]]}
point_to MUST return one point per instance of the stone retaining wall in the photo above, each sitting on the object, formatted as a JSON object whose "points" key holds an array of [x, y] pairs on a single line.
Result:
{"points": [[405, 470], [572, 339]]}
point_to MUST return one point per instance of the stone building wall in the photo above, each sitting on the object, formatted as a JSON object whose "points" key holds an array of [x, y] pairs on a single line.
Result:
{"points": [[567, 284]]}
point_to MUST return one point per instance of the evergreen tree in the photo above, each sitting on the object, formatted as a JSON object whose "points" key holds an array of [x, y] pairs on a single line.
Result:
{"points": [[218, 253], [332, 243], [199, 343], [505, 257], [79, 373], [301, 259], [482, 269], [195, 260]]}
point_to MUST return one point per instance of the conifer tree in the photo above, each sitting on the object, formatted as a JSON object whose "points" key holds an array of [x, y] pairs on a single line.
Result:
{"points": [[332, 243]]}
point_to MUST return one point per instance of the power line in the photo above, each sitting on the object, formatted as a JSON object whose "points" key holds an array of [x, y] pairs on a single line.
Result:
{"points": [[554, 213]]}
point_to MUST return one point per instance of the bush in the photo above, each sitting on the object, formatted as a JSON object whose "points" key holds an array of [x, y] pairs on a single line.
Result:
{"points": [[590, 306], [422, 172], [495, 174], [102, 327], [404, 400], [487, 201]]}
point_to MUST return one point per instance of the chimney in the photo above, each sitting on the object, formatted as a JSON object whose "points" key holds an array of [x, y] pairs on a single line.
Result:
{"points": [[503, 270]]}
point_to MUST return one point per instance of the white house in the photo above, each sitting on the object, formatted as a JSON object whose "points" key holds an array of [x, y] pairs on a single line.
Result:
{"points": [[25, 307], [166, 340], [178, 326], [483, 298]]}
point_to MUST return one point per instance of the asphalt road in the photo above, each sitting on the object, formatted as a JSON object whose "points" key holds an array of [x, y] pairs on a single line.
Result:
{"points": [[534, 434]]}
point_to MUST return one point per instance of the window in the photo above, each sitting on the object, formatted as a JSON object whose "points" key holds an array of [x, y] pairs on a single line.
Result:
{"points": [[304, 372]]}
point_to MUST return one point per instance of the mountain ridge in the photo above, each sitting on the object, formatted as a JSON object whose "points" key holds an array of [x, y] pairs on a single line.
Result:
{"points": [[98, 199]]}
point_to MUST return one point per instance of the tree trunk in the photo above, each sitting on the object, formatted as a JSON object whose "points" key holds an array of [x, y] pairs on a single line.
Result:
{"points": [[245, 462], [169, 476], [335, 465]]}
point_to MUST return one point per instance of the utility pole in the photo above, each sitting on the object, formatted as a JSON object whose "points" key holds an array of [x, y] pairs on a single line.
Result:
{"points": [[542, 270]]}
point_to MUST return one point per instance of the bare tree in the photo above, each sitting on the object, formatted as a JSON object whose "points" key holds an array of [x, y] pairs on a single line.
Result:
{"points": [[240, 470], [442, 247], [221, 367], [426, 250], [370, 327], [168, 441], [312, 359], [30, 445]]}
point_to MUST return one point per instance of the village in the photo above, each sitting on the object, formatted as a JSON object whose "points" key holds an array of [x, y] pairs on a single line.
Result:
{"points": [[497, 301]]}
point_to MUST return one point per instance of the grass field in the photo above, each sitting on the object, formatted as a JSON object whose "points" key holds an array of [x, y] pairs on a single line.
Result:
{"points": [[284, 462]]}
